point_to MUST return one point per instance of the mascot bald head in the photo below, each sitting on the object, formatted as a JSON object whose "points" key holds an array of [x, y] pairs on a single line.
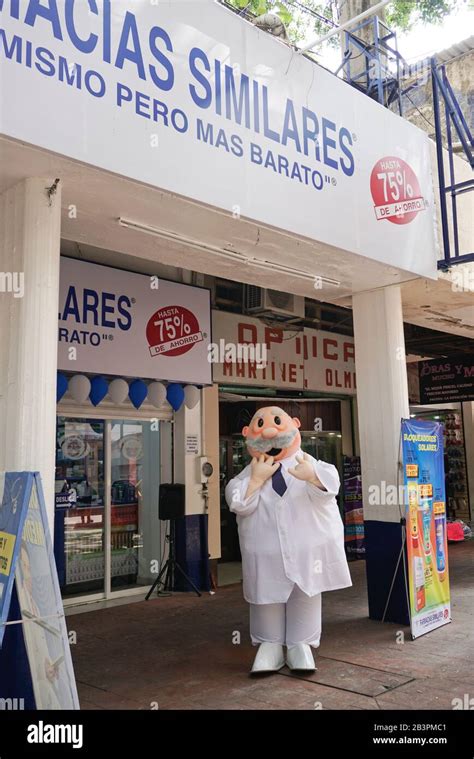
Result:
{"points": [[272, 432]]}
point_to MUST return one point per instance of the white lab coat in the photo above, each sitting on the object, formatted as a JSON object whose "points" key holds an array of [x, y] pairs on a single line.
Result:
{"points": [[297, 538]]}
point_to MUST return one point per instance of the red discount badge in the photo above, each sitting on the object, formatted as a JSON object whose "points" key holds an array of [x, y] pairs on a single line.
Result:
{"points": [[172, 331], [395, 191]]}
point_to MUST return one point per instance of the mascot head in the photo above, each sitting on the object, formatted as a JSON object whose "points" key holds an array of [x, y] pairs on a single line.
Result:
{"points": [[272, 432]]}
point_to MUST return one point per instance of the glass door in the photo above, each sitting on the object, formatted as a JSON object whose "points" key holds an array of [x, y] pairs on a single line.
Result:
{"points": [[325, 446], [107, 531], [134, 523], [79, 506]]}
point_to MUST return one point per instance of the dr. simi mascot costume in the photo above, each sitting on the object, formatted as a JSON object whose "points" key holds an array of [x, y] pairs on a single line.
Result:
{"points": [[291, 539]]}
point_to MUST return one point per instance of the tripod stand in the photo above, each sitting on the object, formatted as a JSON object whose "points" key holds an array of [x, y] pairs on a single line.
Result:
{"points": [[169, 568]]}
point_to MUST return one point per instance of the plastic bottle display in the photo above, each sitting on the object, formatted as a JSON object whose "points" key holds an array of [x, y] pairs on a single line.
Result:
{"points": [[419, 575], [426, 521], [440, 523], [418, 564]]}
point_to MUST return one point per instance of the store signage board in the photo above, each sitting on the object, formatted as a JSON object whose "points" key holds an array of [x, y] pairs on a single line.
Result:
{"points": [[282, 358], [447, 379], [115, 322], [426, 542], [192, 99], [27, 558]]}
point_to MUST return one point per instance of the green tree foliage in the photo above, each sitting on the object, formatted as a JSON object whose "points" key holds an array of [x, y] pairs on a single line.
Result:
{"points": [[401, 14]]}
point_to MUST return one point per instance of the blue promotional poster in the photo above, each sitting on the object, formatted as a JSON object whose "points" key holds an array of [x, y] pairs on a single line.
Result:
{"points": [[425, 504], [27, 557], [14, 503]]}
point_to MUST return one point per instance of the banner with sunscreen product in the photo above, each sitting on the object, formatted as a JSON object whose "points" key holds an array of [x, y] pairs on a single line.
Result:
{"points": [[425, 504]]}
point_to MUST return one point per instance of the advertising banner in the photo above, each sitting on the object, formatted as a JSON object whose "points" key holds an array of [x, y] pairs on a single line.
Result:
{"points": [[116, 322], [353, 508], [249, 351], [12, 516], [427, 549], [39, 596], [220, 112], [447, 379]]}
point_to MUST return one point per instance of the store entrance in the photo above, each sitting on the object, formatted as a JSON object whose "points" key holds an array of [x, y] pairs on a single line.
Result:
{"points": [[324, 445], [107, 531]]}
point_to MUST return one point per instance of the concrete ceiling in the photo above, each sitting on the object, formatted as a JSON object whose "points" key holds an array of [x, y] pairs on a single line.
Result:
{"points": [[93, 201]]}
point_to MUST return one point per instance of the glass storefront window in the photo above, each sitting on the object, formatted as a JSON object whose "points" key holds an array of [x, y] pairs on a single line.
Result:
{"points": [[135, 527], [79, 496], [86, 515]]}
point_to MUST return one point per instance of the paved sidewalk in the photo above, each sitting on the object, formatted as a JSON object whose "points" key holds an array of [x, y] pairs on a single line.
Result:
{"points": [[179, 653]]}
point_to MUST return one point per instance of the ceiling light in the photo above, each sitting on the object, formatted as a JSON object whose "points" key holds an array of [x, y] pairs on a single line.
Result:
{"points": [[229, 255], [292, 272]]}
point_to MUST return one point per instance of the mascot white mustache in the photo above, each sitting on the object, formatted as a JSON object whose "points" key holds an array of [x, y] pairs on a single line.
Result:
{"points": [[291, 538]]}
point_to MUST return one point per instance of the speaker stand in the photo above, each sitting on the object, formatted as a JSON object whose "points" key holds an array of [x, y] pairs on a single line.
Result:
{"points": [[169, 569]]}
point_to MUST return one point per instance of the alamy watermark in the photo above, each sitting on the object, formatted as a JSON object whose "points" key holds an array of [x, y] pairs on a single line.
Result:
{"points": [[12, 282], [223, 352]]}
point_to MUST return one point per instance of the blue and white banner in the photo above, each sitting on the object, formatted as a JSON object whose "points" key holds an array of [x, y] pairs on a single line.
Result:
{"points": [[427, 549], [189, 97]]}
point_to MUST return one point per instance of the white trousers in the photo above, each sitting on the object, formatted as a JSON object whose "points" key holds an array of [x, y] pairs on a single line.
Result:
{"points": [[296, 621]]}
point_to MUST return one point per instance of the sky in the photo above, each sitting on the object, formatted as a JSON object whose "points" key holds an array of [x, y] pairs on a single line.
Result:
{"points": [[423, 40]]}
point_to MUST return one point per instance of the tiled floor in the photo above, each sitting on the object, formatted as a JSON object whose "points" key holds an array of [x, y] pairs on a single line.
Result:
{"points": [[184, 652]]}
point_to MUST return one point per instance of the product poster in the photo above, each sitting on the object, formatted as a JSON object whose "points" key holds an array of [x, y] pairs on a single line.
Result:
{"points": [[353, 508], [12, 516], [425, 503], [39, 596]]}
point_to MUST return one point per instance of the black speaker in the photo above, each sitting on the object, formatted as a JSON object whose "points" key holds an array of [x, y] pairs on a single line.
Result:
{"points": [[171, 501]]}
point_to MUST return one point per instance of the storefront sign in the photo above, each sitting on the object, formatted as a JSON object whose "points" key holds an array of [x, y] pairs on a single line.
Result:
{"points": [[284, 358], [116, 322], [447, 379], [218, 111], [30, 559], [426, 542], [329, 362], [353, 508]]}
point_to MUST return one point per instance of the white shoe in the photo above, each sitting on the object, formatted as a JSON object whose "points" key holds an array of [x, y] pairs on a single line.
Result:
{"points": [[269, 658], [300, 657]]}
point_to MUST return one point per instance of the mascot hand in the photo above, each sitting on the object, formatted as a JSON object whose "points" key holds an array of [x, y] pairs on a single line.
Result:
{"points": [[305, 471], [262, 469]]}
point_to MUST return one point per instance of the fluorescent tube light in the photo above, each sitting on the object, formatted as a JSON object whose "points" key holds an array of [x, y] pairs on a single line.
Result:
{"points": [[230, 255]]}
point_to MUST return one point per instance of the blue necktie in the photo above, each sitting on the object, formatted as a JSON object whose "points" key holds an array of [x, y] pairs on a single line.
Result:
{"points": [[278, 482]]}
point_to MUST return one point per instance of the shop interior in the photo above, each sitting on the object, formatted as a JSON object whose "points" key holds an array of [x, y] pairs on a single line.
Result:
{"points": [[455, 463], [321, 437], [107, 530]]}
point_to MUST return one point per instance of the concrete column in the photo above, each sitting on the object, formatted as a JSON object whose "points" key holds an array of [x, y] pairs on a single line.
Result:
{"points": [[30, 222], [187, 454], [382, 400], [210, 449]]}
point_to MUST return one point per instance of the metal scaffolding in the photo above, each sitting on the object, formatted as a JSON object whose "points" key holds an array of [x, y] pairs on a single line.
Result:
{"points": [[443, 94]]}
